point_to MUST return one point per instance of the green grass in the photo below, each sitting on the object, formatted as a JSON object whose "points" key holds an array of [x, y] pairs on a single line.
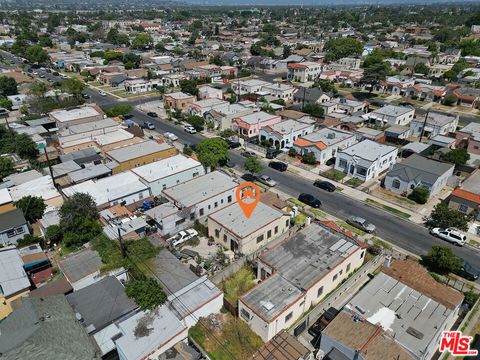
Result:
{"points": [[317, 212], [297, 202], [474, 243], [390, 209], [407, 200], [381, 243], [334, 175], [354, 182], [351, 228], [300, 219], [261, 185]]}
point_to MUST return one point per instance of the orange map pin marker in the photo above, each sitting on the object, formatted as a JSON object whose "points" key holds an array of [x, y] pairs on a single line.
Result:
{"points": [[248, 196]]}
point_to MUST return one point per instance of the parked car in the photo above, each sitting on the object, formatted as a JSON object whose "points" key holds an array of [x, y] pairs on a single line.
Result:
{"points": [[85, 96], [189, 129], [148, 125], [248, 154], [102, 93], [233, 144], [361, 223], [272, 153], [278, 165], [319, 325], [451, 235], [230, 163], [181, 237], [267, 180], [406, 103], [325, 185], [249, 177], [55, 73], [467, 271], [152, 114], [170, 136], [310, 200]]}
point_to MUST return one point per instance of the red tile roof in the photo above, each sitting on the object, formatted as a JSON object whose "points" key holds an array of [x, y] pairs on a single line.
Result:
{"points": [[467, 195], [303, 142]]}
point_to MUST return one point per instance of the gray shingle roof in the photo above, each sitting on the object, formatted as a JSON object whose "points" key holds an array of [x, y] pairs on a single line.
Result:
{"points": [[44, 328], [419, 168], [101, 303], [11, 219]]}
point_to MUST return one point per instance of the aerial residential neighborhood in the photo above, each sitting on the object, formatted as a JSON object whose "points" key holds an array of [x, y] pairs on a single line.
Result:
{"points": [[186, 180]]}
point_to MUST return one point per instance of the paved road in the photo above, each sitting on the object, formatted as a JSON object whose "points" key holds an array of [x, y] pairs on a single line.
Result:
{"points": [[402, 233]]}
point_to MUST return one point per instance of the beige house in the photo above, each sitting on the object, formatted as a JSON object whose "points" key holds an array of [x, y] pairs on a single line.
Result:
{"points": [[178, 100], [233, 230], [80, 115]]}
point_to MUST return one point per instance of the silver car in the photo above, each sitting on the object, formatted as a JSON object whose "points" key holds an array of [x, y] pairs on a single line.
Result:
{"points": [[361, 223], [267, 180]]}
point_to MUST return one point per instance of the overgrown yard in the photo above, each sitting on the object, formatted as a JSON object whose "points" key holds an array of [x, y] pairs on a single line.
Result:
{"points": [[238, 284], [224, 337], [354, 182], [334, 175]]}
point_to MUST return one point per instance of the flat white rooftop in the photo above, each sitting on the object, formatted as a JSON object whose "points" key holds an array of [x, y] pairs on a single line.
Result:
{"points": [[166, 167]]}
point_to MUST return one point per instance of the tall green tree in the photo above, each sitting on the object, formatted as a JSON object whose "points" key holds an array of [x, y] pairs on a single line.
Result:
{"points": [[73, 86], [253, 165], [75, 209], [6, 167], [342, 47], [147, 294], [36, 54], [33, 207], [142, 41], [456, 156], [444, 217], [211, 152], [8, 86], [442, 259]]}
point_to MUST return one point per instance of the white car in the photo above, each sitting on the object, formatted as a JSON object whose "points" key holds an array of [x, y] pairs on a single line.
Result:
{"points": [[181, 237], [189, 129], [170, 136], [451, 235], [102, 93]]}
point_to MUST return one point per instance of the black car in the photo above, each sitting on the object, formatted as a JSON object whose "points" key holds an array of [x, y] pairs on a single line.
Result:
{"points": [[323, 321], [278, 165], [152, 114], [405, 103], [377, 103], [272, 153], [310, 200], [249, 177], [468, 272], [86, 96], [248, 154], [325, 185], [233, 144]]}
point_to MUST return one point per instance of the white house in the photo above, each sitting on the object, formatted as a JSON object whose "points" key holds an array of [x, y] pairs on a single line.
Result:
{"points": [[366, 159], [297, 275], [303, 72], [392, 115], [136, 86], [280, 91], [168, 172], [324, 143], [436, 124], [202, 106], [208, 92], [250, 86], [284, 134], [418, 171]]}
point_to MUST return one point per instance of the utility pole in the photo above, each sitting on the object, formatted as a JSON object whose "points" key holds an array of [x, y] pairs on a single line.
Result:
{"points": [[424, 124], [49, 166], [303, 99], [123, 249]]}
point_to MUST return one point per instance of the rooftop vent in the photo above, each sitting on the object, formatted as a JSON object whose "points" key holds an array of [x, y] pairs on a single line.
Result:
{"points": [[415, 333]]}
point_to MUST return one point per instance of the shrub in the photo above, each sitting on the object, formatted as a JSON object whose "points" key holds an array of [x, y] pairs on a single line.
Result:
{"points": [[420, 195], [292, 152]]}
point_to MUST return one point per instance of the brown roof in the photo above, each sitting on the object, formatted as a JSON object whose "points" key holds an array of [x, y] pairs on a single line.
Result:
{"points": [[292, 114], [414, 275], [27, 259], [368, 339], [56, 287], [283, 346], [273, 200]]}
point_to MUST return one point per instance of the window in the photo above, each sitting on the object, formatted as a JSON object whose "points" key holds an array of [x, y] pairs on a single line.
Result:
{"points": [[225, 238], [217, 233], [335, 277], [164, 186], [287, 222], [245, 314], [260, 238], [276, 230], [229, 199], [201, 212], [209, 207], [396, 184], [340, 273], [269, 234], [10, 233], [348, 267], [361, 255], [178, 222], [192, 216], [301, 304], [463, 208], [342, 163], [215, 205], [221, 201], [320, 291], [289, 317]]}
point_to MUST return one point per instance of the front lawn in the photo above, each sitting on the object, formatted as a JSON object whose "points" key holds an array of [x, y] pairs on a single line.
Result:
{"points": [[334, 175], [354, 182]]}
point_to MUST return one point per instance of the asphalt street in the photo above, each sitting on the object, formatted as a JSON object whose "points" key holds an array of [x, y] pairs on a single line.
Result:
{"points": [[409, 236]]}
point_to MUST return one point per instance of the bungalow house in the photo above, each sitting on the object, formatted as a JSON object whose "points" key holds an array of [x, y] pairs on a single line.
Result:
{"points": [[135, 86], [470, 135], [392, 115], [310, 96], [208, 92], [366, 160], [427, 92], [13, 227], [418, 171], [349, 106], [250, 86], [467, 96], [222, 115], [435, 124], [466, 197], [202, 106], [396, 85], [280, 91], [324, 143], [250, 125], [283, 134], [290, 287], [296, 115]]}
